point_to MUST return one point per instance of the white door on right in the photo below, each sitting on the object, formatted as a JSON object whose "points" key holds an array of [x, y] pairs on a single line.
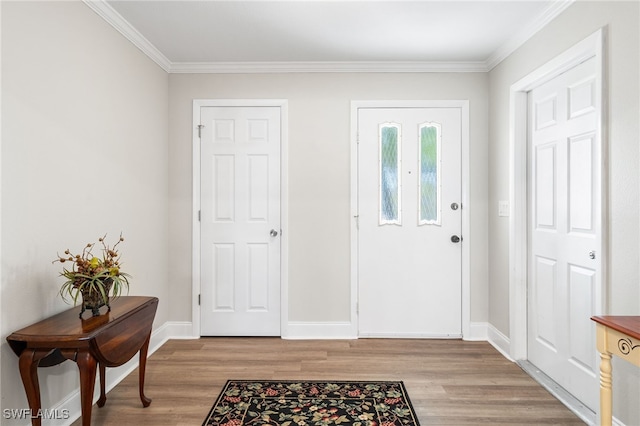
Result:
{"points": [[564, 284]]}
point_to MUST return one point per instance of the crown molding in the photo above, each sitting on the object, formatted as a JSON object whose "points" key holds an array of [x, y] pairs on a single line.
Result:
{"points": [[522, 36], [104, 10], [323, 67], [109, 14]]}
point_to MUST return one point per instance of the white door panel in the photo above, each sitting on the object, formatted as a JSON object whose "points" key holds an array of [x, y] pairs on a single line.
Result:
{"points": [[409, 270], [564, 213], [240, 206]]}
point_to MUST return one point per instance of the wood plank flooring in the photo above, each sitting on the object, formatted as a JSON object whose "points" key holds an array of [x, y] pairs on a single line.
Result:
{"points": [[450, 382]]}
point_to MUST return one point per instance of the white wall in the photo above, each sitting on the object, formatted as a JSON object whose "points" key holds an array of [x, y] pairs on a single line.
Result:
{"points": [[623, 49], [319, 175], [84, 152]]}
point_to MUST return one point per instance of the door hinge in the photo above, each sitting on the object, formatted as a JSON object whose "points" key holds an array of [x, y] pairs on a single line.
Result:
{"points": [[199, 215], [198, 300], [200, 126]]}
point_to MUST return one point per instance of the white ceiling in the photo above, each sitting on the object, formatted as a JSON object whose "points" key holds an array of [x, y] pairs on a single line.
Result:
{"points": [[214, 35]]}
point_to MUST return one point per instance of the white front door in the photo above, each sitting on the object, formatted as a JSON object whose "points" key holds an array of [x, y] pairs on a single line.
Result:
{"points": [[240, 221], [409, 222], [564, 216]]}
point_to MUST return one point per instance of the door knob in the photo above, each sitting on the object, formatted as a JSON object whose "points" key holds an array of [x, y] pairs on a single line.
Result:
{"points": [[273, 233], [455, 239]]}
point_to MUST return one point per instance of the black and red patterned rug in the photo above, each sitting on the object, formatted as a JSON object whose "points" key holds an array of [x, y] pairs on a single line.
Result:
{"points": [[289, 403]]}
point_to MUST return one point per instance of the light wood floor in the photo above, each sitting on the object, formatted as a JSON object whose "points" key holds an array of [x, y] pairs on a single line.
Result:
{"points": [[450, 382]]}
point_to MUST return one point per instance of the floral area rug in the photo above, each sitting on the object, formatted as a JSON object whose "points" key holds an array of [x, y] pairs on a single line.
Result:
{"points": [[312, 403]]}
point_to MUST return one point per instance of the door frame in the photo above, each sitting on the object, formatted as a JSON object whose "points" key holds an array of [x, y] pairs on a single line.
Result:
{"points": [[463, 105], [592, 46], [284, 203]]}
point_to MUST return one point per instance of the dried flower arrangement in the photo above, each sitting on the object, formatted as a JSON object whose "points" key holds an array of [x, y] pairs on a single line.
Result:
{"points": [[93, 277]]}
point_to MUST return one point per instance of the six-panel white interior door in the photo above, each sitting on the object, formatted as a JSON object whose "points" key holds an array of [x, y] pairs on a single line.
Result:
{"points": [[240, 221], [409, 222], [564, 198]]}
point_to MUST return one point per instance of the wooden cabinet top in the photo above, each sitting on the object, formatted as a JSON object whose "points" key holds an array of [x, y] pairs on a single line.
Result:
{"points": [[629, 325]]}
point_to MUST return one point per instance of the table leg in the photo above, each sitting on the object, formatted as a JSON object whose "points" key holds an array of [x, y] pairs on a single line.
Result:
{"points": [[103, 378], [87, 366], [28, 364], [143, 366], [605, 389]]}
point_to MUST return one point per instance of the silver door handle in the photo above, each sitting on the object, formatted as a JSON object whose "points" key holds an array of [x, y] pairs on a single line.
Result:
{"points": [[455, 239], [273, 233]]}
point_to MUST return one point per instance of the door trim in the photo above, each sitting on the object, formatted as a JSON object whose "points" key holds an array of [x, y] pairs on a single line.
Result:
{"points": [[466, 232], [592, 46], [284, 203]]}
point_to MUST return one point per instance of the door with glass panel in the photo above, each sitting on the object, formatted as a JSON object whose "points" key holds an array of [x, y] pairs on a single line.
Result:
{"points": [[409, 222]]}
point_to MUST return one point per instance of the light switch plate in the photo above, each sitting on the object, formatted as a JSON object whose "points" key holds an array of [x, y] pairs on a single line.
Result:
{"points": [[503, 208]]}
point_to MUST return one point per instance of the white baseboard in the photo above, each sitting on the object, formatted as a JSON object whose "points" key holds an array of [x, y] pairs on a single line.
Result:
{"points": [[408, 336], [70, 405], [178, 330], [616, 422], [320, 330], [477, 332], [499, 341], [346, 330]]}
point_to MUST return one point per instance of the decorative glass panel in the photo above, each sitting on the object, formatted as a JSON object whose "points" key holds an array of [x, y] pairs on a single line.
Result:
{"points": [[429, 185], [390, 211]]}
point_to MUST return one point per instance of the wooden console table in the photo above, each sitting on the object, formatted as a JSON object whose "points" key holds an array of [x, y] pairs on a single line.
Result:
{"points": [[620, 336], [108, 340]]}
